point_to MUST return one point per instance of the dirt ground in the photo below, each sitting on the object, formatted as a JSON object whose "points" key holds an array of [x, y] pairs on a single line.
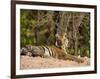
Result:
{"points": [[38, 62]]}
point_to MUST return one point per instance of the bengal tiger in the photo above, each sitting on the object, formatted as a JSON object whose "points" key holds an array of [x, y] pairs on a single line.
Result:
{"points": [[48, 51], [56, 51]]}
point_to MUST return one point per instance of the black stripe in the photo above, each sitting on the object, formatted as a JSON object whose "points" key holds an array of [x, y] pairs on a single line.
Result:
{"points": [[48, 50], [43, 48], [52, 51]]}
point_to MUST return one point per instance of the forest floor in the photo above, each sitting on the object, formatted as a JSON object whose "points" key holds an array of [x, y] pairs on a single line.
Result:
{"points": [[38, 62]]}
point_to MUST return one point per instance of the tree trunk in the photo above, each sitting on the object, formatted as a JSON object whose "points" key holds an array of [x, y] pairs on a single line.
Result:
{"points": [[76, 24]]}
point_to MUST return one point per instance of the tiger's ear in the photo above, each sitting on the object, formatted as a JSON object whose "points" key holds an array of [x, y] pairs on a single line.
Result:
{"points": [[64, 35]]}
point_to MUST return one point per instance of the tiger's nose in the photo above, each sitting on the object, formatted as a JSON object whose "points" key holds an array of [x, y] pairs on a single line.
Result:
{"points": [[59, 43]]}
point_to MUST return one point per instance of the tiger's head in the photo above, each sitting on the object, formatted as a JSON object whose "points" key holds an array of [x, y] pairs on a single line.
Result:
{"points": [[61, 41]]}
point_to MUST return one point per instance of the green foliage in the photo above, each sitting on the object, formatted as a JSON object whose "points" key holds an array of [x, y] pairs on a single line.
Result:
{"points": [[38, 27]]}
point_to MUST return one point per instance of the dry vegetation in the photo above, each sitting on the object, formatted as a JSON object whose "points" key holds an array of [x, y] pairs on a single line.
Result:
{"points": [[38, 62]]}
